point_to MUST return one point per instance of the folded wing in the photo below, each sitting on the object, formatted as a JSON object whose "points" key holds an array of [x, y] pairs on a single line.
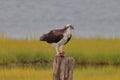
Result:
{"points": [[54, 36]]}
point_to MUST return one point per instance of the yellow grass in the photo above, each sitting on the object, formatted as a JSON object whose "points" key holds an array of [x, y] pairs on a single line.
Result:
{"points": [[101, 73], [25, 74], [88, 73]]}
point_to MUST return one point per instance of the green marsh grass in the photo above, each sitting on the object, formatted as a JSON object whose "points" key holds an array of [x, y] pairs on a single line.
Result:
{"points": [[93, 50]]}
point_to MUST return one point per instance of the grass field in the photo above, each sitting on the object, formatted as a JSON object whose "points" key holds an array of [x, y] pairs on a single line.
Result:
{"points": [[94, 50], [88, 73], [90, 51]]}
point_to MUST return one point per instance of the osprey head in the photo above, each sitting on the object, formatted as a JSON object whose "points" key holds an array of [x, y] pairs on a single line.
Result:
{"points": [[69, 25]]}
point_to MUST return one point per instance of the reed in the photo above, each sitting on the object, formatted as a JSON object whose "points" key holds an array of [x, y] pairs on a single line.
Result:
{"points": [[93, 50]]}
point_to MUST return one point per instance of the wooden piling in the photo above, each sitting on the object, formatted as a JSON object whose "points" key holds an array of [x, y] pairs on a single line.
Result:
{"points": [[63, 68]]}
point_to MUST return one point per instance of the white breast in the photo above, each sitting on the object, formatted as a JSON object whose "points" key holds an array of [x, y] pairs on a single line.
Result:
{"points": [[67, 34]]}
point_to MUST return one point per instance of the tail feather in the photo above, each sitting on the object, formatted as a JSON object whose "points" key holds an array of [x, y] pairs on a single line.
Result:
{"points": [[41, 38]]}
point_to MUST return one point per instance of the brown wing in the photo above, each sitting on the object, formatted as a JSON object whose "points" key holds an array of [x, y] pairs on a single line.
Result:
{"points": [[54, 36]]}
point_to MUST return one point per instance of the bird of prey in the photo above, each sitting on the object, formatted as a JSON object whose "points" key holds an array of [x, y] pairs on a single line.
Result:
{"points": [[58, 38]]}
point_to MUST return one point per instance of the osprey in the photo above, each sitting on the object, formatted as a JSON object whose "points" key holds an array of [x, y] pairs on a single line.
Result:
{"points": [[58, 37]]}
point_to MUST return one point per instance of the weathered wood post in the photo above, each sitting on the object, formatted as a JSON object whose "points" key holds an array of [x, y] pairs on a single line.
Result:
{"points": [[63, 68]]}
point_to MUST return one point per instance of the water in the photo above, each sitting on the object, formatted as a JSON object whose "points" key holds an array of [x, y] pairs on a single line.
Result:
{"points": [[21, 18]]}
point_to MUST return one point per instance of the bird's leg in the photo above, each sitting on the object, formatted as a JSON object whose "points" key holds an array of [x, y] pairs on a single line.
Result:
{"points": [[57, 52], [61, 51]]}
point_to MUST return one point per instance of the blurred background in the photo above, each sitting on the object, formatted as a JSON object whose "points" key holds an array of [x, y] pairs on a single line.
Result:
{"points": [[21, 18], [95, 45]]}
